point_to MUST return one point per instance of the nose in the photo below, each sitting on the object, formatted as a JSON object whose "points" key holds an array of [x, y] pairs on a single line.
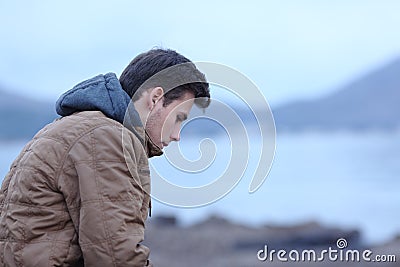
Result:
{"points": [[175, 135]]}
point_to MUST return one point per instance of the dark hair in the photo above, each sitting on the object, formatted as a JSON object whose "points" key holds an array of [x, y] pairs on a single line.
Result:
{"points": [[172, 69]]}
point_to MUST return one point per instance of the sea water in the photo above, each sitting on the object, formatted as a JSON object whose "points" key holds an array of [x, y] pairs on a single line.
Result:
{"points": [[349, 180]]}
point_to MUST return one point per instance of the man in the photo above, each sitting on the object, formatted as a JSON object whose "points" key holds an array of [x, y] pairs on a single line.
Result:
{"points": [[78, 194]]}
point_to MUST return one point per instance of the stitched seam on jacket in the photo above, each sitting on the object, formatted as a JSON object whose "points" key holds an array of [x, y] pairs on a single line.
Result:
{"points": [[100, 195], [99, 160], [88, 161], [85, 133], [49, 185], [34, 206], [115, 237], [17, 240], [43, 136]]}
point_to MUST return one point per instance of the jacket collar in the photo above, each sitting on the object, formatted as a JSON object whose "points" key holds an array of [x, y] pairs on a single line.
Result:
{"points": [[104, 93], [151, 148]]}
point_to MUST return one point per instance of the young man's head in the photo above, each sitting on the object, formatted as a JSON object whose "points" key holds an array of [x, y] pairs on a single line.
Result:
{"points": [[164, 85]]}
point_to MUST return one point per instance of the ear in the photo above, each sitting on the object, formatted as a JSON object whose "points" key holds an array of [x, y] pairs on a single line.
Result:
{"points": [[155, 94]]}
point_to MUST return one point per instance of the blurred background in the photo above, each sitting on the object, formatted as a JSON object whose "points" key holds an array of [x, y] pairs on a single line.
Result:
{"points": [[330, 71]]}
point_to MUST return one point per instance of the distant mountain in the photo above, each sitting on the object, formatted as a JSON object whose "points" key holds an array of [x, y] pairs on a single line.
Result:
{"points": [[22, 117], [371, 102]]}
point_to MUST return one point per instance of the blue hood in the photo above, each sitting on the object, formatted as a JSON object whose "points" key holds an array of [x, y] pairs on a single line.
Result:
{"points": [[103, 93]]}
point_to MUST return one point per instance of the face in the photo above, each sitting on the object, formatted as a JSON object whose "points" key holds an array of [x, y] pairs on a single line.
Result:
{"points": [[163, 124]]}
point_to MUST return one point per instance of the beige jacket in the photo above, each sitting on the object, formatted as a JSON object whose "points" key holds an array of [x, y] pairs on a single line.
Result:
{"points": [[77, 195]]}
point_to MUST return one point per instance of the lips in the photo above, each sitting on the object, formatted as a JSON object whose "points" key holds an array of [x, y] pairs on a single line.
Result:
{"points": [[164, 144]]}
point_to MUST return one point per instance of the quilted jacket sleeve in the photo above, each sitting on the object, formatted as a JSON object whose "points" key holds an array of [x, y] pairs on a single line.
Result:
{"points": [[110, 217]]}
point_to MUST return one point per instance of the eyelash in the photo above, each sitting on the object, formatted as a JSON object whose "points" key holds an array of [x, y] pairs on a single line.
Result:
{"points": [[180, 118]]}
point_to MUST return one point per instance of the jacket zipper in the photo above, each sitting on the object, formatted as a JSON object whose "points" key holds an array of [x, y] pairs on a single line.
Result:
{"points": [[150, 208]]}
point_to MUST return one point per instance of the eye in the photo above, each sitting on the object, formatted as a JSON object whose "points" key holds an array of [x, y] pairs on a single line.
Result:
{"points": [[181, 117]]}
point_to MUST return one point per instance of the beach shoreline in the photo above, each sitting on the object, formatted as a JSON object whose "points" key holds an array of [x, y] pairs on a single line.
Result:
{"points": [[217, 241]]}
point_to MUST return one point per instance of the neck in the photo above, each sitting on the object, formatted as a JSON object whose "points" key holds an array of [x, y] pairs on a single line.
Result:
{"points": [[142, 109]]}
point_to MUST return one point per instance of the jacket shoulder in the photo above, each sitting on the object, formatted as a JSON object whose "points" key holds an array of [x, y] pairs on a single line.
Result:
{"points": [[69, 128]]}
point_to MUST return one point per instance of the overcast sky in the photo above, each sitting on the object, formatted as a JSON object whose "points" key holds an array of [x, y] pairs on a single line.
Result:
{"points": [[290, 49]]}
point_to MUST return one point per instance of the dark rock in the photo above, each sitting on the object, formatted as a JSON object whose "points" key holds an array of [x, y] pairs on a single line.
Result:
{"points": [[164, 220], [304, 235], [217, 241]]}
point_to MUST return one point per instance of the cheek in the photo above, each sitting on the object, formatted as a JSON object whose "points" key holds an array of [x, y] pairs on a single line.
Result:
{"points": [[154, 124], [169, 124]]}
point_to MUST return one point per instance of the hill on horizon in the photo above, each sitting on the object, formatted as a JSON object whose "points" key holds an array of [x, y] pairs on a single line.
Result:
{"points": [[370, 102], [21, 117]]}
